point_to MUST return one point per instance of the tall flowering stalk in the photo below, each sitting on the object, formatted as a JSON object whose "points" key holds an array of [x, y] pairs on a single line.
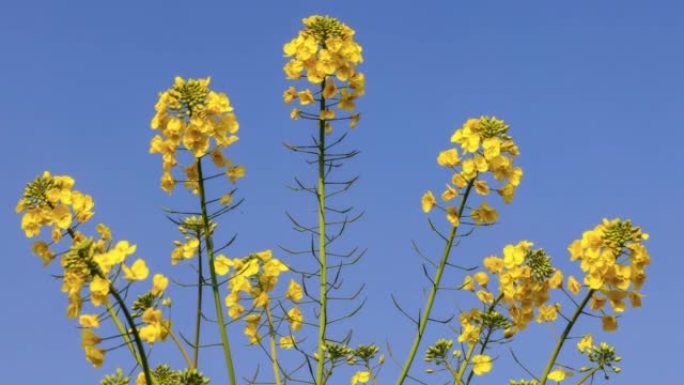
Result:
{"points": [[203, 122], [614, 259], [325, 54], [487, 155], [95, 263]]}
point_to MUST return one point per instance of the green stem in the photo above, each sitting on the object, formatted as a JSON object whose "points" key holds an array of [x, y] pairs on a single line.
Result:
{"points": [[225, 343], [464, 364], [323, 317], [198, 314], [564, 336], [373, 380], [122, 330], [274, 350], [586, 376], [180, 347], [433, 292], [136, 335]]}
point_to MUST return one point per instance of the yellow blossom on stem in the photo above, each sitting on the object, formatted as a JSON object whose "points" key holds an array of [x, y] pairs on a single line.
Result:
{"points": [[295, 292], [559, 375], [482, 364], [137, 272], [428, 201], [360, 377]]}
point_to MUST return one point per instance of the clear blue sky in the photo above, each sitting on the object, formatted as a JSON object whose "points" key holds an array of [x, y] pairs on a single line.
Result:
{"points": [[593, 92]]}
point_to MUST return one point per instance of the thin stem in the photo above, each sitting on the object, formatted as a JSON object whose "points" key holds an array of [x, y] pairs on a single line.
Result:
{"points": [[322, 258], [587, 376], [433, 292], [180, 347], [122, 330], [564, 336], [136, 335], [225, 343], [198, 314], [373, 380], [274, 350]]}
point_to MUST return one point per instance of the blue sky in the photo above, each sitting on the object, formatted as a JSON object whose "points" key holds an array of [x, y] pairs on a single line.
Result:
{"points": [[593, 92]]}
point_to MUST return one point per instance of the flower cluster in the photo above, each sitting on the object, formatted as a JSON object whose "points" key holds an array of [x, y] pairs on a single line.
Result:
{"points": [[92, 263], [486, 149], [339, 354], [191, 114], [327, 54], [441, 354], [193, 229], [613, 258], [603, 356], [256, 276], [525, 279], [50, 200]]}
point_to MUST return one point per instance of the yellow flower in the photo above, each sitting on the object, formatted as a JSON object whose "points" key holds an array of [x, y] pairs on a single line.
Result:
{"points": [[492, 147], [449, 194], [41, 249], [89, 338], [452, 216], [296, 318], [556, 279], [99, 288], [485, 214], [217, 158], [294, 291], [235, 310], [481, 364], [481, 278], [360, 377], [448, 158], [306, 97], [468, 283], [428, 201], [94, 355], [287, 342], [159, 284], [137, 272], [226, 199], [354, 120], [261, 300], [89, 321], [609, 323], [559, 375], [104, 232], [485, 296], [289, 95], [585, 343], [548, 313], [235, 172], [573, 285], [481, 187], [493, 264], [330, 90], [222, 265], [327, 114]]}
